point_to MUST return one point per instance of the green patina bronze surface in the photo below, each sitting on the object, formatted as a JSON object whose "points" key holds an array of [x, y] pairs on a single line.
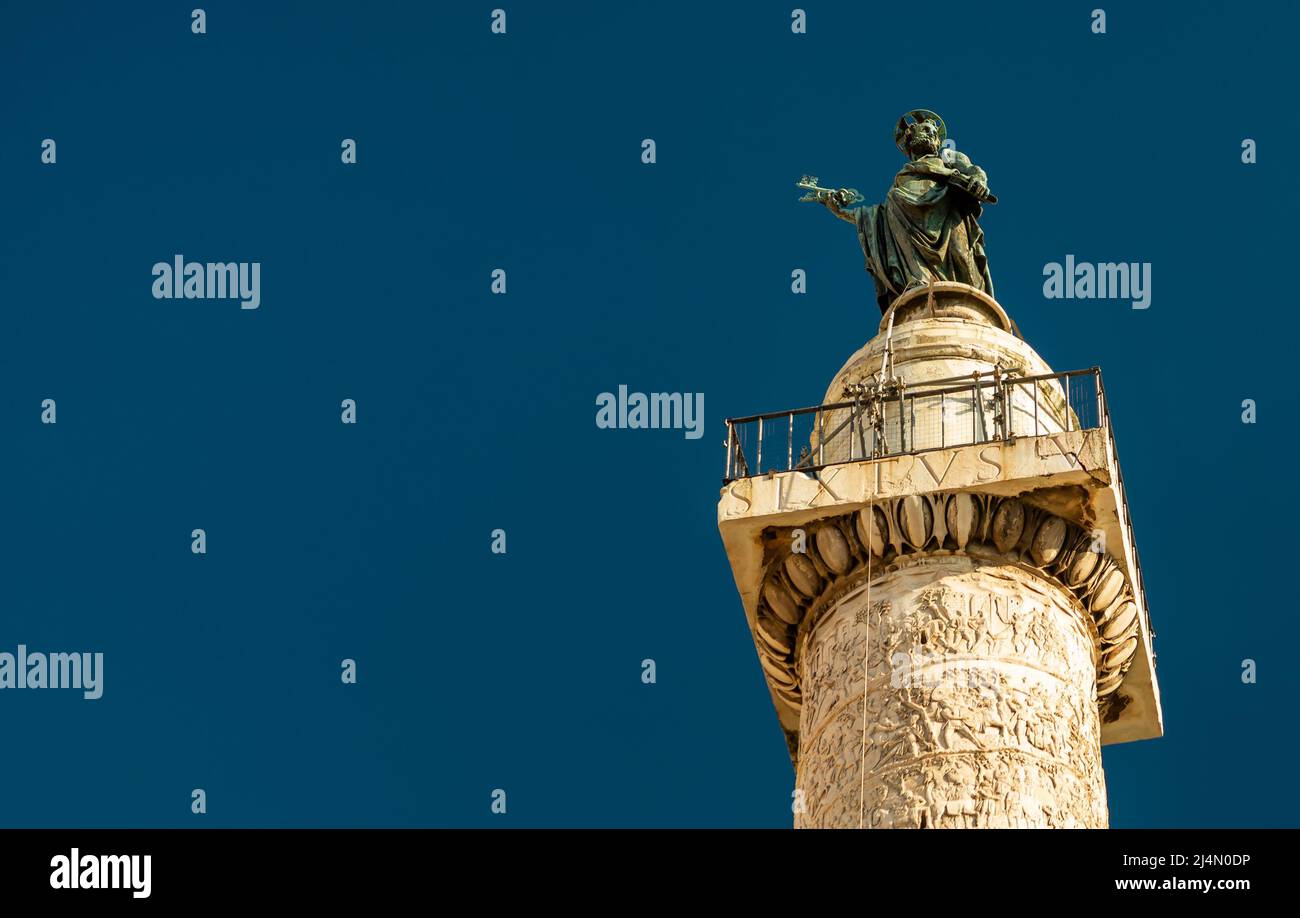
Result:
{"points": [[927, 228]]}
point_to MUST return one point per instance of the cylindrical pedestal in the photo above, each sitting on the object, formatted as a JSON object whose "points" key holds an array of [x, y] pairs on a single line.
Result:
{"points": [[980, 703]]}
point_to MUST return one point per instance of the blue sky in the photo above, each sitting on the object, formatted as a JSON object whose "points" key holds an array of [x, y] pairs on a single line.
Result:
{"points": [[476, 411]]}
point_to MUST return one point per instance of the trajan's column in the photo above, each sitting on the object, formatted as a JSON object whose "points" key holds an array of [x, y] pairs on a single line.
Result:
{"points": [[936, 563]]}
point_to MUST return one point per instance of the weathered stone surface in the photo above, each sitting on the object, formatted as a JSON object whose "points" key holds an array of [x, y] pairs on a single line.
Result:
{"points": [[1010, 562], [979, 698]]}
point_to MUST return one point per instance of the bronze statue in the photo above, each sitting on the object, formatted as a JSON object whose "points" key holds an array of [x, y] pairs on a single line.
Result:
{"points": [[927, 228]]}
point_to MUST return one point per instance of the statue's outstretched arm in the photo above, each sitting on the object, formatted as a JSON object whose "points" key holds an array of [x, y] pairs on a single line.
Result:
{"points": [[847, 214], [839, 201]]}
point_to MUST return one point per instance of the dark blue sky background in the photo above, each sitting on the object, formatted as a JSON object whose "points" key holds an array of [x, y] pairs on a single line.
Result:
{"points": [[476, 151]]}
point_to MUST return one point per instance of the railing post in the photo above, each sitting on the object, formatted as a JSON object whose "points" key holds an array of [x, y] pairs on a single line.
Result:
{"points": [[789, 445], [975, 413], [821, 437], [1067, 404], [1101, 401], [853, 418], [1008, 414], [759, 471], [902, 428], [1003, 395], [1036, 409], [731, 440], [999, 408], [1008, 418]]}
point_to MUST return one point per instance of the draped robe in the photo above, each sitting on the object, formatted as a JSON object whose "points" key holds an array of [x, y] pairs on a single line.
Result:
{"points": [[926, 228]]}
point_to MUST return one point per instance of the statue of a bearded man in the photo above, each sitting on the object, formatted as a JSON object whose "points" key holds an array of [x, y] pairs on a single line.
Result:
{"points": [[927, 228]]}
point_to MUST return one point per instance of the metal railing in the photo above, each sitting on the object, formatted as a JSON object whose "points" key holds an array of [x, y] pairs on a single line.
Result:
{"points": [[896, 420]]}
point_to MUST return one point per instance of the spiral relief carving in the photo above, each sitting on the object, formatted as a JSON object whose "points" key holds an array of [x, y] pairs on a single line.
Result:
{"points": [[988, 528]]}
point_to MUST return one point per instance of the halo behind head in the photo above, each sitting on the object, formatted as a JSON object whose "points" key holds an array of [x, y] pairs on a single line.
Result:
{"points": [[916, 116]]}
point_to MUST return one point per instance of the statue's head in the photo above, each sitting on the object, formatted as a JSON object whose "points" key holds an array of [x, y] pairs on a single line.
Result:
{"points": [[920, 132]]}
